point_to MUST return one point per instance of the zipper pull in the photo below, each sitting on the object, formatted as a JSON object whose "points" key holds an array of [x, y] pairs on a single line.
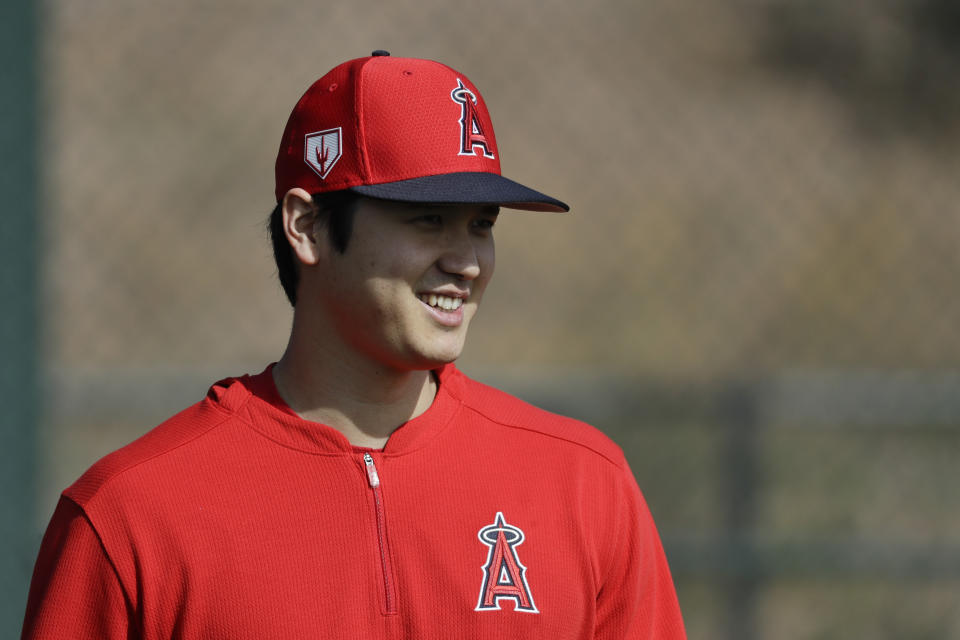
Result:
{"points": [[372, 476]]}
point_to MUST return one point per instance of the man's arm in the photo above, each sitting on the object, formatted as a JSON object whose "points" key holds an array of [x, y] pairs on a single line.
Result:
{"points": [[75, 592], [637, 599]]}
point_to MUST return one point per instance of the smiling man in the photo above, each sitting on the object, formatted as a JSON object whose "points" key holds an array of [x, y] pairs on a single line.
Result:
{"points": [[362, 486]]}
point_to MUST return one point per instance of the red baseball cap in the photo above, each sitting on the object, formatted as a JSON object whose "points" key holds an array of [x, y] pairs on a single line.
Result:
{"points": [[398, 129]]}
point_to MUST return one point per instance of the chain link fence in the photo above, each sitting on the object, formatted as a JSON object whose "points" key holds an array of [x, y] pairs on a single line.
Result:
{"points": [[754, 294]]}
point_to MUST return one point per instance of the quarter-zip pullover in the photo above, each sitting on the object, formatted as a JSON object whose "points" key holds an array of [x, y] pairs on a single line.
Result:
{"points": [[484, 517]]}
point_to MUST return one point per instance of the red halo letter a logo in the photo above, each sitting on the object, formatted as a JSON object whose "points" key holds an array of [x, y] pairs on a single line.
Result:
{"points": [[321, 150], [503, 575], [471, 131]]}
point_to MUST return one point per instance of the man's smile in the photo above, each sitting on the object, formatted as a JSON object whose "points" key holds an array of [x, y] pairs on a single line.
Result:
{"points": [[447, 303]]}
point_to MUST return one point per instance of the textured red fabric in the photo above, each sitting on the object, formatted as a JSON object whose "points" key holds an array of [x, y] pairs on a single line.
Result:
{"points": [[237, 519]]}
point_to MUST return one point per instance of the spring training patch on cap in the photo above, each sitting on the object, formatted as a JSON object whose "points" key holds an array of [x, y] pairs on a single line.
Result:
{"points": [[321, 150]]}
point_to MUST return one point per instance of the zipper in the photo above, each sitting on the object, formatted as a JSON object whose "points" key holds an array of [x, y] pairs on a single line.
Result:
{"points": [[373, 479]]}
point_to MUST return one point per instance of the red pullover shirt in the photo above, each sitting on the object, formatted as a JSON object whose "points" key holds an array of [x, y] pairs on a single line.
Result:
{"points": [[484, 517]]}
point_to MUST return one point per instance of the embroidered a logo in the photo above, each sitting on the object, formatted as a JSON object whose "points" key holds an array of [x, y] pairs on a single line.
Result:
{"points": [[321, 150], [503, 575], [471, 131]]}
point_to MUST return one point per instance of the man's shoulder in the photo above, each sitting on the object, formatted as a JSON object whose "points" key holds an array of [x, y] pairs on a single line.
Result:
{"points": [[501, 408], [181, 435]]}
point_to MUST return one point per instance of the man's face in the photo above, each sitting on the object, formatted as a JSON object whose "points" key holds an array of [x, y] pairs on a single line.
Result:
{"points": [[410, 281]]}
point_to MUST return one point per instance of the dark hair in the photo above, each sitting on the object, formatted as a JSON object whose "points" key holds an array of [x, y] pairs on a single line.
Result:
{"points": [[336, 209]]}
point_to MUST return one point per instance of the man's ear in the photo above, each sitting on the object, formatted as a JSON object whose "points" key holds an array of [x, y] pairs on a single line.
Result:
{"points": [[300, 225]]}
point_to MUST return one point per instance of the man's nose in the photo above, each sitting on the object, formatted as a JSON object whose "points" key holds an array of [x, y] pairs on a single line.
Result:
{"points": [[459, 256]]}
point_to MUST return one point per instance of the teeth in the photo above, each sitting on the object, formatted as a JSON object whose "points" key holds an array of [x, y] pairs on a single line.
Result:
{"points": [[443, 302], [453, 304]]}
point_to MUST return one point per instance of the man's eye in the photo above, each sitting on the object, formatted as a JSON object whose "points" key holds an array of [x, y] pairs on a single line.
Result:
{"points": [[484, 223]]}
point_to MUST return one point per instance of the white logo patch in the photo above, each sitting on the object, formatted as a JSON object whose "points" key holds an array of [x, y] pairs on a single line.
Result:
{"points": [[321, 150]]}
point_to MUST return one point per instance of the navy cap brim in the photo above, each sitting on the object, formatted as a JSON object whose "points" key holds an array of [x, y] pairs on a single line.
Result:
{"points": [[464, 188]]}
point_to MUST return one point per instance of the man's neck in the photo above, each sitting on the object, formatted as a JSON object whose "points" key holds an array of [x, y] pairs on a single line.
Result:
{"points": [[365, 403]]}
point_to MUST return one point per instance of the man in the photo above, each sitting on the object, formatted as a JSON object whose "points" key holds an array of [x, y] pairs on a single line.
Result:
{"points": [[363, 487]]}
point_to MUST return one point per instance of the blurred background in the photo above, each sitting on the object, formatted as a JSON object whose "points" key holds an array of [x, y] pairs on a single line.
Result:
{"points": [[754, 294]]}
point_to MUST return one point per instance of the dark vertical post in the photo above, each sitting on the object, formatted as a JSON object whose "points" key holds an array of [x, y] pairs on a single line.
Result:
{"points": [[739, 414], [19, 301]]}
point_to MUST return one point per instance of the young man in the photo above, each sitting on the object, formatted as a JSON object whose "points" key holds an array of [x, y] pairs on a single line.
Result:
{"points": [[363, 487]]}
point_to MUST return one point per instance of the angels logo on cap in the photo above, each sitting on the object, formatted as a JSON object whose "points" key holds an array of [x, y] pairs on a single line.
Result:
{"points": [[471, 131], [398, 129]]}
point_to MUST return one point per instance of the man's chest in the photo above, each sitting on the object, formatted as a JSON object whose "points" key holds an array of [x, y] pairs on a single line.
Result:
{"points": [[380, 550]]}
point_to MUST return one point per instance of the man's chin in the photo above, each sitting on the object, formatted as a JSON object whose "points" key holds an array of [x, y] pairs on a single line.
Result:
{"points": [[436, 358], [435, 362]]}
